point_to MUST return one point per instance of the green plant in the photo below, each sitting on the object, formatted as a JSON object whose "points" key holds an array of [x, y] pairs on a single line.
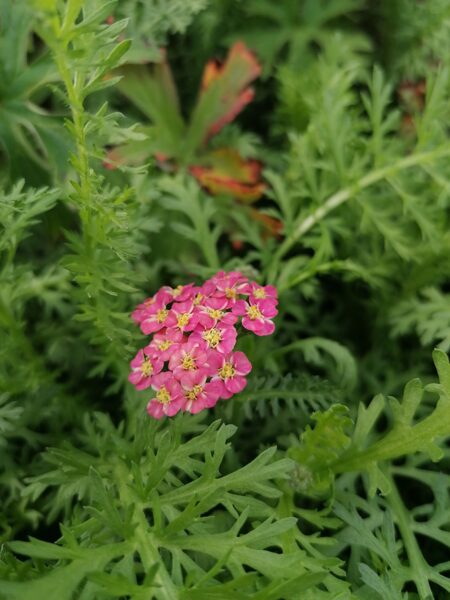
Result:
{"points": [[300, 486]]}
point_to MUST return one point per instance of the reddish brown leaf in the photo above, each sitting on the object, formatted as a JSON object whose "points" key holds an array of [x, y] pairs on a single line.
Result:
{"points": [[224, 88], [226, 172]]}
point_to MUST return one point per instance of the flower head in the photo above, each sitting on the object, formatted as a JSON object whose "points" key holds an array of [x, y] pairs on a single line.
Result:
{"points": [[257, 315], [190, 361], [229, 372], [143, 368], [220, 337], [214, 311], [229, 286], [164, 343], [259, 292], [200, 395], [169, 396], [157, 316], [184, 316]]}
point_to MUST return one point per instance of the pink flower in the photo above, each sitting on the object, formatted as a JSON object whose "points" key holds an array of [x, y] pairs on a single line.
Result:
{"points": [[193, 334], [256, 316], [229, 286], [169, 396], [221, 338], [189, 363], [258, 292], [229, 371], [213, 311], [200, 395], [157, 317], [164, 343], [143, 368], [141, 310], [202, 292], [186, 317], [182, 292]]}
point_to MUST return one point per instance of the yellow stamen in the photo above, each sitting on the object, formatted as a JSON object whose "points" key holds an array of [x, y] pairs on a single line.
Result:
{"points": [[188, 363], [163, 395], [177, 291], [215, 314], [183, 319], [165, 345], [194, 393], [253, 312], [260, 293], [230, 292], [227, 371], [213, 337], [161, 315], [147, 368], [198, 298]]}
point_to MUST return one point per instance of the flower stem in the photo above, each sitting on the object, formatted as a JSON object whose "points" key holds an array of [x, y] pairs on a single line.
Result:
{"points": [[349, 192]]}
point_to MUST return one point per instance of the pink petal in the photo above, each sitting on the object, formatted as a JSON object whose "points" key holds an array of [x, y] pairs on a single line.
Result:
{"points": [[264, 328], [137, 360], [145, 383], [235, 384], [241, 363], [173, 407], [215, 360], [240, 308], [268, 308], [250, 324], [155, 409]]}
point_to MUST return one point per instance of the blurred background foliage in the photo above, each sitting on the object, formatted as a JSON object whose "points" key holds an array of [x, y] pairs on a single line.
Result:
{"points": [[305, 142]]}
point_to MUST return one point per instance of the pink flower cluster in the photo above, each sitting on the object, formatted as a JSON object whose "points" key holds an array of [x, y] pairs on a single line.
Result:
{"points": [[190, 362]]}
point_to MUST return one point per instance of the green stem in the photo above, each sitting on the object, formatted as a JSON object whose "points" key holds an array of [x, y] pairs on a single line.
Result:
{"points": [[419, 568], [401, 441], [352, 190], [73, 87]]}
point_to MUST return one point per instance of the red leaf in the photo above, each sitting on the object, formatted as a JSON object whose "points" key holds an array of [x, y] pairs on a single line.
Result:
{"points": [[226, 172], [224, 87]]}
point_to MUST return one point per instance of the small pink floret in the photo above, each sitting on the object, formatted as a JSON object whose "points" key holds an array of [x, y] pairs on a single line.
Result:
{"points": [[169, 396], [143, 369], [229, 372]]}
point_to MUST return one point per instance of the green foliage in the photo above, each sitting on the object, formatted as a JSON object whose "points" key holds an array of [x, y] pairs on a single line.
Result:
{"points": [[151, 22], [32, 139], [427, 315], [156, 475], [327, 449], [290, 490]]}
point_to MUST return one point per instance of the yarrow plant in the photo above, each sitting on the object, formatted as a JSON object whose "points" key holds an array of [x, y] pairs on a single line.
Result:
{"points": [[190, 362]]}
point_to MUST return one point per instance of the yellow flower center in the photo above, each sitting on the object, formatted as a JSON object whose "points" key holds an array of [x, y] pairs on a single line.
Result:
{"points": [[165, 345], [177, 291], [198, 298], [230, 292], [183, 319], [163, 395], [253, 312], [213, 337], [227, 371], [161, 315], [194, 393], [188, 363], [259, 293], [146, 368], [215, 314]]}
